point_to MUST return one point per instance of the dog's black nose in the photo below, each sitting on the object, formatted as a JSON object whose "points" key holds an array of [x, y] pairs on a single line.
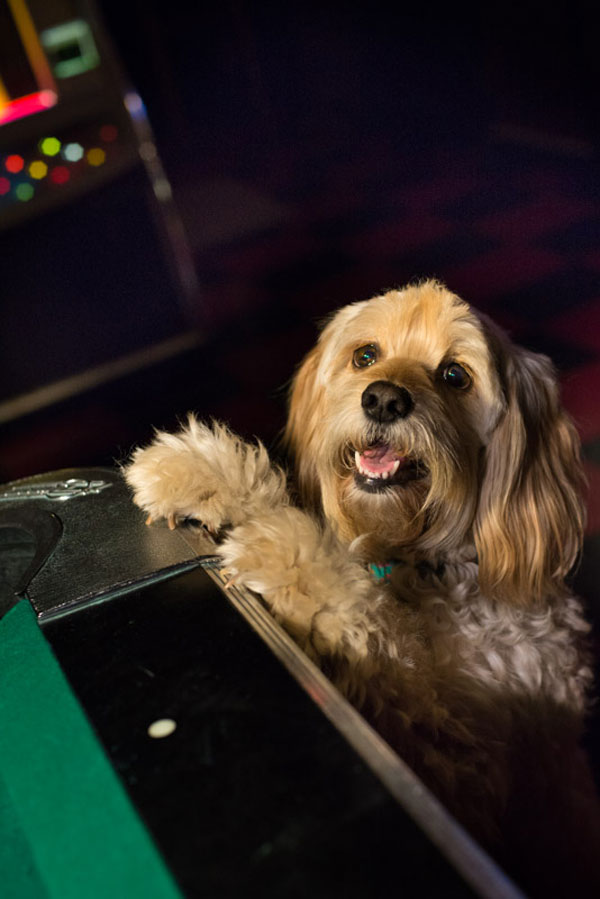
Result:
{"points": [[385, 402]]}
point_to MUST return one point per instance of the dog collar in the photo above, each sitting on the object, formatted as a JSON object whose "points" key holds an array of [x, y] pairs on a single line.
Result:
{"points": [[381, 571]]}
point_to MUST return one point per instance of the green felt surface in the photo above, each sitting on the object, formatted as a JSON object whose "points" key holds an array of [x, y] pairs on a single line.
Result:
{"points": [[67, 828]]}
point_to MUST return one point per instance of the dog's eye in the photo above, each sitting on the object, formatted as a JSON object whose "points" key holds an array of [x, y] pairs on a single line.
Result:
{"points": [[456, 376], [364, 356]]}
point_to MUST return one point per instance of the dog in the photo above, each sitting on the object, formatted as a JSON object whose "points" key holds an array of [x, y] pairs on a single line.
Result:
{"points": [[423, 560]]}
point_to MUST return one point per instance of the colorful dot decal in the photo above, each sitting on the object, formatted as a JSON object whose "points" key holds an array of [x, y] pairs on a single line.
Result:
{"points": [[53, 161], [14, 163], [96, 156], [60, 174], [73, 152], [108, 133], [50, 146], [24, 192], [38, 170]]}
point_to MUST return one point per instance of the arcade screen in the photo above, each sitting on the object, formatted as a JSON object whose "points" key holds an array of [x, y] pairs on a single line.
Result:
{"points": [[33, 60]]}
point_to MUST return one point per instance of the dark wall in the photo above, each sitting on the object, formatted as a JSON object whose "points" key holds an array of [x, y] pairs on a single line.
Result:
{"points": [[226, 81]]}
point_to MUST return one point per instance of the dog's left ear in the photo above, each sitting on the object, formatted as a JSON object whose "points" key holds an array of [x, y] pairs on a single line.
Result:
{"points": [[529, 525], [305, 422]]}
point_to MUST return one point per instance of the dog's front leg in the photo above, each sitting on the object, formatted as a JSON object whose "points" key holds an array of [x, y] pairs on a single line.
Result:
{"points": [[310, 581], [368, 643], [307, 579]]}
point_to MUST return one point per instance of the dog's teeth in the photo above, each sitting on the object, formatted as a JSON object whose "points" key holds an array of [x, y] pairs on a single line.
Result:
{"points": [[360, 467], [375, 475]]}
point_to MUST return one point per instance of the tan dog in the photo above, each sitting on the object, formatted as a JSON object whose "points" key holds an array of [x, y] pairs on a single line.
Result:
{"points": [[431, 451]]}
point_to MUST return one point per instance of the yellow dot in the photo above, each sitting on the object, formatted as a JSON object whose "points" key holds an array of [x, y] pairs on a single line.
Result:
{"points": [[96, 156], [38, 169]]}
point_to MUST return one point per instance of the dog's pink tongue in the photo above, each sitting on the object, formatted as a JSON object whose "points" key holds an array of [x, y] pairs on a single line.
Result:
{"points": [[379, 458]]}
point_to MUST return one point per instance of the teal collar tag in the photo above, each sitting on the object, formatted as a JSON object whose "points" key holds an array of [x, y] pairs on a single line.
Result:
{"points": [[381, 573]]}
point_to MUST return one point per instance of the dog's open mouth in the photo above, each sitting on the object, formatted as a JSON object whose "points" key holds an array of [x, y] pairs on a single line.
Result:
{"points": [[380, 467]]}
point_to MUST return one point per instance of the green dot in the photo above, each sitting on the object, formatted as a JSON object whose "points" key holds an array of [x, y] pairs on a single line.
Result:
{"points": [[50, 146], [24, 192]]}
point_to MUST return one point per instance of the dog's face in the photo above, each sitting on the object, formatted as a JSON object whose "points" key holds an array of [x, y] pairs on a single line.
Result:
{"points": [[419, 428]]}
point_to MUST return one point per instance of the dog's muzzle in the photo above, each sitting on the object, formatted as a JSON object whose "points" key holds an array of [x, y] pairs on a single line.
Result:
{"points": [[385, 402], [380, 466]]}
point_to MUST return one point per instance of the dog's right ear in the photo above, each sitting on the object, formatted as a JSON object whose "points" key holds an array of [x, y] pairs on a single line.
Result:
{"points": [[305, 424]]}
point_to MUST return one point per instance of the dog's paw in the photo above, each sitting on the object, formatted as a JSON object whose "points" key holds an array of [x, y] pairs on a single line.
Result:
{"points": [[306, 578], [205, 473]]}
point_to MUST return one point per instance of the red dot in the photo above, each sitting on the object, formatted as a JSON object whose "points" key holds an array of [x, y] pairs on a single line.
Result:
{"points": [[60, 174], [4, 186], [14, 164], [108, 133]]}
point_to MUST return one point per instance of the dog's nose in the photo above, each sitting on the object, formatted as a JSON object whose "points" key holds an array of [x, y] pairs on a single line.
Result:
{"points": [[386, 402]]}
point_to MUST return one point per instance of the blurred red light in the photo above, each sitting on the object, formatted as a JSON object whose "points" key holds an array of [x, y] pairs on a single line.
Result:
{"points": [[60, 174], [108, 133], [28, 105], [14, 164], [4, 186]]}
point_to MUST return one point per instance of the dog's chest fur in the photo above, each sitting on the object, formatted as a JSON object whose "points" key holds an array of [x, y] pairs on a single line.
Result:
{"points": [[523, 652]]}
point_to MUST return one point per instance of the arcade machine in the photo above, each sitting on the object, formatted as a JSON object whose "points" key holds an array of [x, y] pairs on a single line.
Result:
{"points": [[97, 276], [160, 736]]}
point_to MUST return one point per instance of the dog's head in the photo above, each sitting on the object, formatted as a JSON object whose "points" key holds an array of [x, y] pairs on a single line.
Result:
{"points": [[417, 426]]}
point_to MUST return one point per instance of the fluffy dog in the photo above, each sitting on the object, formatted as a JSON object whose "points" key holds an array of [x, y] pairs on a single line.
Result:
{"points": [[424, 569]]}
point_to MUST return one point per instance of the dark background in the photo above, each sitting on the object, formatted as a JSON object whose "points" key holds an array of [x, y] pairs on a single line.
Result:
{"points": [[322, 152]]}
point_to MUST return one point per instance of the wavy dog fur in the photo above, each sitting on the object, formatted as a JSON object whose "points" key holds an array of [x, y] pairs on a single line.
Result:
{"points": [[423, 437]]}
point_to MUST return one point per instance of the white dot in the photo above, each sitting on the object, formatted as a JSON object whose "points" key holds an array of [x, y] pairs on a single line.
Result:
{"points": [[148, 151], [162, 189], [164, 727]]}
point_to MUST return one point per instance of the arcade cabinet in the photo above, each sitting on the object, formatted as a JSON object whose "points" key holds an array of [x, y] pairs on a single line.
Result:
{"points": [[97, 277]]}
